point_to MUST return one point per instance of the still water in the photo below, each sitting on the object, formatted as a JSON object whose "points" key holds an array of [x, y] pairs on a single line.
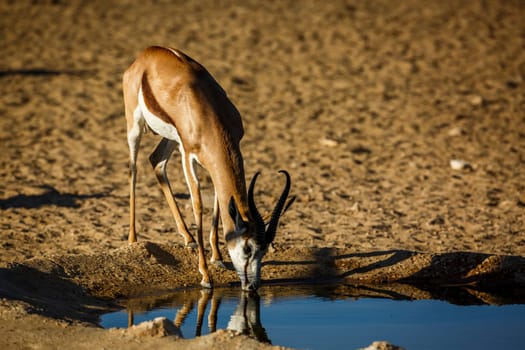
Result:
{"points": [[325, 318]]}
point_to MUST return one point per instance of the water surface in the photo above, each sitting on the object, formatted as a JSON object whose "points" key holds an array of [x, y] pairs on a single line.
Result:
{"points": [[319, 318]]}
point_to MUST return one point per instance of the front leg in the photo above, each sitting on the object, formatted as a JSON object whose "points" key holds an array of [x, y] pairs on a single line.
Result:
{"points": [[194, 187], [201, 309], [159, 159], [216, 257]]}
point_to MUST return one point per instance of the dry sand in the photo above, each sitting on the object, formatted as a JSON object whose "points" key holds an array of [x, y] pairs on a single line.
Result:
{"points": [[371, 106]]}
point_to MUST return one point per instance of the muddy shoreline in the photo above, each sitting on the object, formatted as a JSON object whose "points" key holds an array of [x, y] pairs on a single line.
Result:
{"points": [[73, 291], [148, 269]]}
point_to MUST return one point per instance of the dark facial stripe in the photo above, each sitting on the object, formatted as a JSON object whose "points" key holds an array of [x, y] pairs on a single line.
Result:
{"points": [[246, 271]]}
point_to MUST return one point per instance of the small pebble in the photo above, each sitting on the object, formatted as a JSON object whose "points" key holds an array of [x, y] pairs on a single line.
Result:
{"points": [[475, 100], [459, 164], [328, 142], [456, 131]]}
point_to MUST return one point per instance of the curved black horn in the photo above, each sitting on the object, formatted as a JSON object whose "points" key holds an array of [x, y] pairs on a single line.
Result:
{"points": [[259, 222], [274, 220]]}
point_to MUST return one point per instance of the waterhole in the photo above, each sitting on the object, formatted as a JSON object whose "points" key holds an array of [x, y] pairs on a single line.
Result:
{"points": [[342, 316]]}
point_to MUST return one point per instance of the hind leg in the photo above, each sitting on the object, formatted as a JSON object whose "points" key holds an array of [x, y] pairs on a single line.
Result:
{"points": [[135, 128]]}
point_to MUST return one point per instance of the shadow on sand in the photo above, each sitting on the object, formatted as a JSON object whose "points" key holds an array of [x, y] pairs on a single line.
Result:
{"points": [[51, 294], [50, 197]]}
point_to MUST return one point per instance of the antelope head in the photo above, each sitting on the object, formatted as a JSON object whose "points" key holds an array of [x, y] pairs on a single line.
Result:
{"points": [[251, 239]]}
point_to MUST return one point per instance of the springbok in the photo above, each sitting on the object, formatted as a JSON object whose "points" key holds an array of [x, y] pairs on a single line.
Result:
{"points": [[174, 96]]}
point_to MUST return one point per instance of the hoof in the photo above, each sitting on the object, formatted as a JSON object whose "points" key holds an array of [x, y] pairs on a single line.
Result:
{"points": [[207, 285], [192, 246], [218, 263]]}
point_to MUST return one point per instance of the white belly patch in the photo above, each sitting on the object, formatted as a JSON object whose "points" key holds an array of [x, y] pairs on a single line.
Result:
{"points": [[155, 123]]}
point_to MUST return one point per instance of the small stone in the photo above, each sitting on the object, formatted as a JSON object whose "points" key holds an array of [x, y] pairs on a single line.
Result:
{"points": [[459, 164], [455, 131], [382, 345], [475, 100], [328, 142], [159, 327]]}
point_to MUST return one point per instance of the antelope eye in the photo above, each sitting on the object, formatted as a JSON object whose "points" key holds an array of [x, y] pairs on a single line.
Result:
{"points": [[247, 249]]}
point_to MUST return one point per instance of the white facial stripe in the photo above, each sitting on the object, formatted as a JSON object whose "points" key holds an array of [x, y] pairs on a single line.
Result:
{"points": [[247, 267], [155, 123], [237, 256]]}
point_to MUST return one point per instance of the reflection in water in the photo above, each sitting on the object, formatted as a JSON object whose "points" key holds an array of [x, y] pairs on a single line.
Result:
{"points": [[426, 317], [246, 318]]}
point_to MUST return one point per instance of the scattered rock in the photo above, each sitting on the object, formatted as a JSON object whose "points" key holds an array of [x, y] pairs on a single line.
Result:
{"points": [[382, 345], [159, 327], [459, 164], [455, 131], [475, 100], [328, 142]]}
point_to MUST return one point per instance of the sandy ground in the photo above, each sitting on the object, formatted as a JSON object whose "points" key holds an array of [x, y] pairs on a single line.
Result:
{"points": [[364, 103]]}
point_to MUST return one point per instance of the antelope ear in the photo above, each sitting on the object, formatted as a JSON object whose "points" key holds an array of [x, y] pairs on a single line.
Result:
{"points": [[236, 216]]}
